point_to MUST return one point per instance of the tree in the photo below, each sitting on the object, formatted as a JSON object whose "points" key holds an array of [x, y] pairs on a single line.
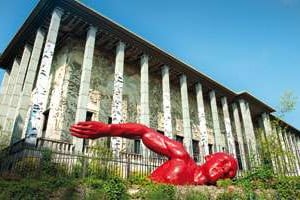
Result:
{"points": [[287, 103]]}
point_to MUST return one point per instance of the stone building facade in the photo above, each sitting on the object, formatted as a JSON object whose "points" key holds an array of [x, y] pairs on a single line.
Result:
{"points": [[68, 63]]}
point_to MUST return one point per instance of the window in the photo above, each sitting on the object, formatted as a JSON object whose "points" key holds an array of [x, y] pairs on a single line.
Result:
{"points": [[137, 147], [108, 141], [109, 121], [179, 138], [238, 155], [89, 116], [210, 148], [196, 150], [45, 123]]}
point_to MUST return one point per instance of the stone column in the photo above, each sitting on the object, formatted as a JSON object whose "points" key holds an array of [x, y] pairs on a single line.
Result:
{"points": [[25, 98], [166, 101], [116, 110], [293, 148], [6, 99], [4, 86], [269, 133], [284, 148], [248, 126], [239, 134], [219, 138], [202, 122], [297, 143], [145, 118], [16, 93], [83, 96], [289, 149], [294, 140], [228, 129], [40, 97], [187, 141]]}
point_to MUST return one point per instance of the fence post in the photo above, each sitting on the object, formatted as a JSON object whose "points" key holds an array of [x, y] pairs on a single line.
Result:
{"points": [[84, 166], [128, 167]]}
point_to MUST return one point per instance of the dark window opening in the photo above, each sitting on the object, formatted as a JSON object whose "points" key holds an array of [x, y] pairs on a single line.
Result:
{"points": [[89, 116], [223, 149], [238, 155], [196, 150], [108, 140], [179, 139], [45, 123], [137, 147], [210, 148], [109, 121], [161, 132]]}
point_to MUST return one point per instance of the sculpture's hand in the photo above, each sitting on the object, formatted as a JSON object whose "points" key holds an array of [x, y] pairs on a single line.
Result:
{"points": [[90, 129]]}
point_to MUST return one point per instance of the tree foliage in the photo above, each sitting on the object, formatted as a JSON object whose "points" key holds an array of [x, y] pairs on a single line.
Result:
{"points": [[287, 103]]}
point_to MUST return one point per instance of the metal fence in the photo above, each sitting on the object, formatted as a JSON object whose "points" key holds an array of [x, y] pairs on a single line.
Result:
{"points": [[57, 158], [35, 161]]}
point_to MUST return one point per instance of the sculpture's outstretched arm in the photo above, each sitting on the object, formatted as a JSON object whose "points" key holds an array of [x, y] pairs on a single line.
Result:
{"points": [[152, 139]]}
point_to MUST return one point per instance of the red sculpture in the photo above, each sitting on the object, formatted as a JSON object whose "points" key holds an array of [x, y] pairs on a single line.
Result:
{"points": [[180, 169]]}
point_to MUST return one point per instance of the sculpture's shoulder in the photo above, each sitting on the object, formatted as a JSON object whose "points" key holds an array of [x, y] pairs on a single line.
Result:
{"points": [[175, 171]]}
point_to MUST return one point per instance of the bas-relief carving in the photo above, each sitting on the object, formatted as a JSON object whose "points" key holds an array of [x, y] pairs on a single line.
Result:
{"points": [[194, 116], [102, 83], [56, 104], [102, 79], [209, 122], [176, 111], [71, 98], [160, 121], [177, 122], [131, 92], [65, 89], [155, 99], [179, 127]]}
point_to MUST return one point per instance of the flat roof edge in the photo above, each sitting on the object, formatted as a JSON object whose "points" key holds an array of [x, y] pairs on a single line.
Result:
{"points": [[248, 95]]}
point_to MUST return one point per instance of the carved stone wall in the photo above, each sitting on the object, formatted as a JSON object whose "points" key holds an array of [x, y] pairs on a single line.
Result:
{"points": [[155, 100], [66, 72], [176, 111], [194, 115], [209, 122], [102, 81], [131, 93]]}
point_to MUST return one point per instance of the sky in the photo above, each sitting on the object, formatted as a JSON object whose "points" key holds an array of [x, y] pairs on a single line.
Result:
{"points": [[249, 45]]}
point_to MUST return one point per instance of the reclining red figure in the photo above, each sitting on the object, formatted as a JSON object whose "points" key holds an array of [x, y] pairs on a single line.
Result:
{"points": [[180, 169]]}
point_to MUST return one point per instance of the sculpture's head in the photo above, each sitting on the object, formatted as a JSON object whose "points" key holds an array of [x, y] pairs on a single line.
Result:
{"points": [[219, 166]]}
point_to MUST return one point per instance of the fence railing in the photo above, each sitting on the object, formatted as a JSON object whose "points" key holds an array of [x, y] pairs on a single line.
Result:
{"points": [[59, 158], [34, 161]]}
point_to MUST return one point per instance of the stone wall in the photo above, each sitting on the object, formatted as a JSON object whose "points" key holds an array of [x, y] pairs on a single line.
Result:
{"points": [[64, 90]]}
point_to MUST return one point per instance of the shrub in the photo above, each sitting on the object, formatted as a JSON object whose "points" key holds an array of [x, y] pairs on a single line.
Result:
{"points": [[138, 179], [26, 166], [158, 192], [49, 168], [115, 189], [231, 196], [287, 187], [197, 195], [32, 188], [224, 183], [111, 189]]}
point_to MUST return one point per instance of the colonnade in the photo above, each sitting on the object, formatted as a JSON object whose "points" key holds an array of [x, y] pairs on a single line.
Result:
{"points": [[17, 89]]}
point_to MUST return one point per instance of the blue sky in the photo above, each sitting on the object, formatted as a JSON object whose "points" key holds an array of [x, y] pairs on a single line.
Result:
{"points": [[251, 45]]}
